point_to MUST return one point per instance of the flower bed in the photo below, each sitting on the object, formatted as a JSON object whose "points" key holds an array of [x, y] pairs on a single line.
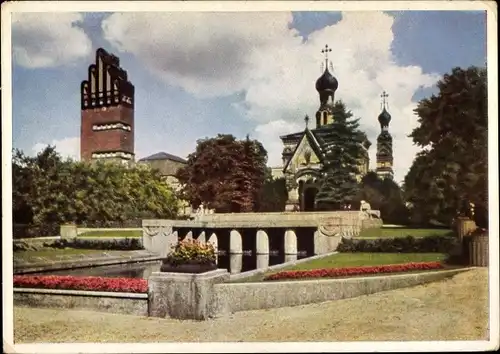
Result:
{"points": [[342, 272], [129, 285]]}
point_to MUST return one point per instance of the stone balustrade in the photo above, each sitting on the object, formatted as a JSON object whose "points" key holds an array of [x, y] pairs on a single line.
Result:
{"points": [[328, 229]]}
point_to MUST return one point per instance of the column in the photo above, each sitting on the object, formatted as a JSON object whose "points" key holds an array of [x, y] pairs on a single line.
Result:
{"points": [[290, 242], [189, 235], [235, 263], [213, 240], [292, 204], [201, 237], [262, 261], [235, 242], [262, 242]]}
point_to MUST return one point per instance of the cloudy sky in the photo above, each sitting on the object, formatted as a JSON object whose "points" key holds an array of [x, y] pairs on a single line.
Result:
{"points": [[199, 74]]}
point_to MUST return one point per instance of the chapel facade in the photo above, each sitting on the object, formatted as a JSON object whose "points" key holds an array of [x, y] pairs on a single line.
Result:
{"points": [[304, 152]]}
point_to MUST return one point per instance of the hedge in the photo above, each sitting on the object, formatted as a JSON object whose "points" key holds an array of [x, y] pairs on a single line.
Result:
{"points": [[125, 244], [409, 244]]}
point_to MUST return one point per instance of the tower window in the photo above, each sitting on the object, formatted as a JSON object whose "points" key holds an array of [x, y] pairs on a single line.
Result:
{"points": [[325, 118]]}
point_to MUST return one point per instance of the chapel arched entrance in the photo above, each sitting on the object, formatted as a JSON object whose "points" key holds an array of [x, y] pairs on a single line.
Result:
{"points": [[309, 197], [308, 186]]}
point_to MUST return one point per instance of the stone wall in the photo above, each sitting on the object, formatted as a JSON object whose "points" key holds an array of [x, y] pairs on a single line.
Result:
{"points": [[123, 303], [232, 297]]}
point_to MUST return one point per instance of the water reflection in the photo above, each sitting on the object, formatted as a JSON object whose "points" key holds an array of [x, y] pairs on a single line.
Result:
{"points": [[234, 263]]}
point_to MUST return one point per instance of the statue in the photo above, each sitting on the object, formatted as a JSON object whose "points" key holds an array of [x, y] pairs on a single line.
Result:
{"points": [[365, 208]]}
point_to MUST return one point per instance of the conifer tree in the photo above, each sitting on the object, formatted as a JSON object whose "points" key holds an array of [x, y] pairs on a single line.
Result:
{"points": [[341, 142]]}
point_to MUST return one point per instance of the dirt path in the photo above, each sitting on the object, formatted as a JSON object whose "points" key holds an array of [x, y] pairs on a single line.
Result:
{"points": [[453, 309]]}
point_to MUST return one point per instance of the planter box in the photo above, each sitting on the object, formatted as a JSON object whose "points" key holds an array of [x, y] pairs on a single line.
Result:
{"points": [[188, 268]]}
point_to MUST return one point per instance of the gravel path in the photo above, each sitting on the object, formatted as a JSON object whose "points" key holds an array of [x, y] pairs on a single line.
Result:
{"points": [[452, 309]]}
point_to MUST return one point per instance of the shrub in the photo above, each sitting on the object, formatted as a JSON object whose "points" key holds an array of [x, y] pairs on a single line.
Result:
{"points": [[408, 244], [191, 252], [124, 244], [67, 282], [351, 271]]}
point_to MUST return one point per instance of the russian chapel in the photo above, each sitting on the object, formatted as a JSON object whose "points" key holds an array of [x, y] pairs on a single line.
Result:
{"points": [[304, 153], [107, 112]]}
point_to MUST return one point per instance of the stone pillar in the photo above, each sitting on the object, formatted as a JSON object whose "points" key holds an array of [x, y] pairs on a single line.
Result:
{"points": [[201, 237], [290, 257], [213, 240], [189, 235], [184, 295], [262, 242], [68, 231], [320, 243], [235, 263], [235, 242], [292, 204], [290, 242], [464, 226], [262, 261]]}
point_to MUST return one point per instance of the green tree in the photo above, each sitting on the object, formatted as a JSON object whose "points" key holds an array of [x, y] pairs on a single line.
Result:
{"points": [[453, 133], [50, 190], [224, 174], [273, 194], [341, 142]]}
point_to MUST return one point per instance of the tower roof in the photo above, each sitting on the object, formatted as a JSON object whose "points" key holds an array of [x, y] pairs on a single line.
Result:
{"points": [[327, 82], [384, 118]]}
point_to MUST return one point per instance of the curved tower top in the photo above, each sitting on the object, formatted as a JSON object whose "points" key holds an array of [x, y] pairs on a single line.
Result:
{"points": [[326, 85]]}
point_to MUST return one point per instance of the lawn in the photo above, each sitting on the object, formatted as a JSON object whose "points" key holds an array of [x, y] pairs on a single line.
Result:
{"points": [[54, 254], [401, 232], [112, 233], [341, 260]]}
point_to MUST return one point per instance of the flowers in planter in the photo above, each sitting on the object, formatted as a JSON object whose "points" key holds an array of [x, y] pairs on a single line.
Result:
{"points": [[351, 271], [191, 252], [66, 282]]}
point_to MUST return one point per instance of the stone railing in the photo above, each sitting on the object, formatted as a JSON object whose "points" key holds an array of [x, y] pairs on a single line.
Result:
{"points": [[329, 228]]}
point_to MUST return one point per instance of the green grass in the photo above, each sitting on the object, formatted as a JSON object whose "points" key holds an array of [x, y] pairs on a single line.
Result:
{"points": [[343, 260], [53, 251], [401, 232], [113, 233], [56, 253]]}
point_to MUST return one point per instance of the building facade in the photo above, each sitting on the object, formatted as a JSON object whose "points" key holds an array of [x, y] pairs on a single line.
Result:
{"points": [[304, 152], [107, 112], [168, 165]]}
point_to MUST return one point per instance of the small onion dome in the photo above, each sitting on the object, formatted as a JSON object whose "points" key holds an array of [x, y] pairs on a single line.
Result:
{"points": [[384, 118], [327, 82]]}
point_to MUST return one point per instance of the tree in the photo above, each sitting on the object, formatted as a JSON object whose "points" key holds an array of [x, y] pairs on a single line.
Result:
{"points": [[453, 133], [50, 190], [273, 194], [224, 174], [342, 149]]}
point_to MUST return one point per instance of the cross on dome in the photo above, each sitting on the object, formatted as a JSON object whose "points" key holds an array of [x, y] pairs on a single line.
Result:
{"points": [[384, 95]]}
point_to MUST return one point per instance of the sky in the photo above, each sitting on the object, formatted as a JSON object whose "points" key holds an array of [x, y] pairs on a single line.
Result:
{"points": [[200, 74]]}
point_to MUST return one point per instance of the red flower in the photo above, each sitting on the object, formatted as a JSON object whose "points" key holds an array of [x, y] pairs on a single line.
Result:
{"points": [[130, 285], [339, 272]]}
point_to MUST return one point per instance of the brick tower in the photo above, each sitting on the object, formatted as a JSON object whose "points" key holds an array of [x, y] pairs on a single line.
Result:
{"points": [[107, 128]]}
